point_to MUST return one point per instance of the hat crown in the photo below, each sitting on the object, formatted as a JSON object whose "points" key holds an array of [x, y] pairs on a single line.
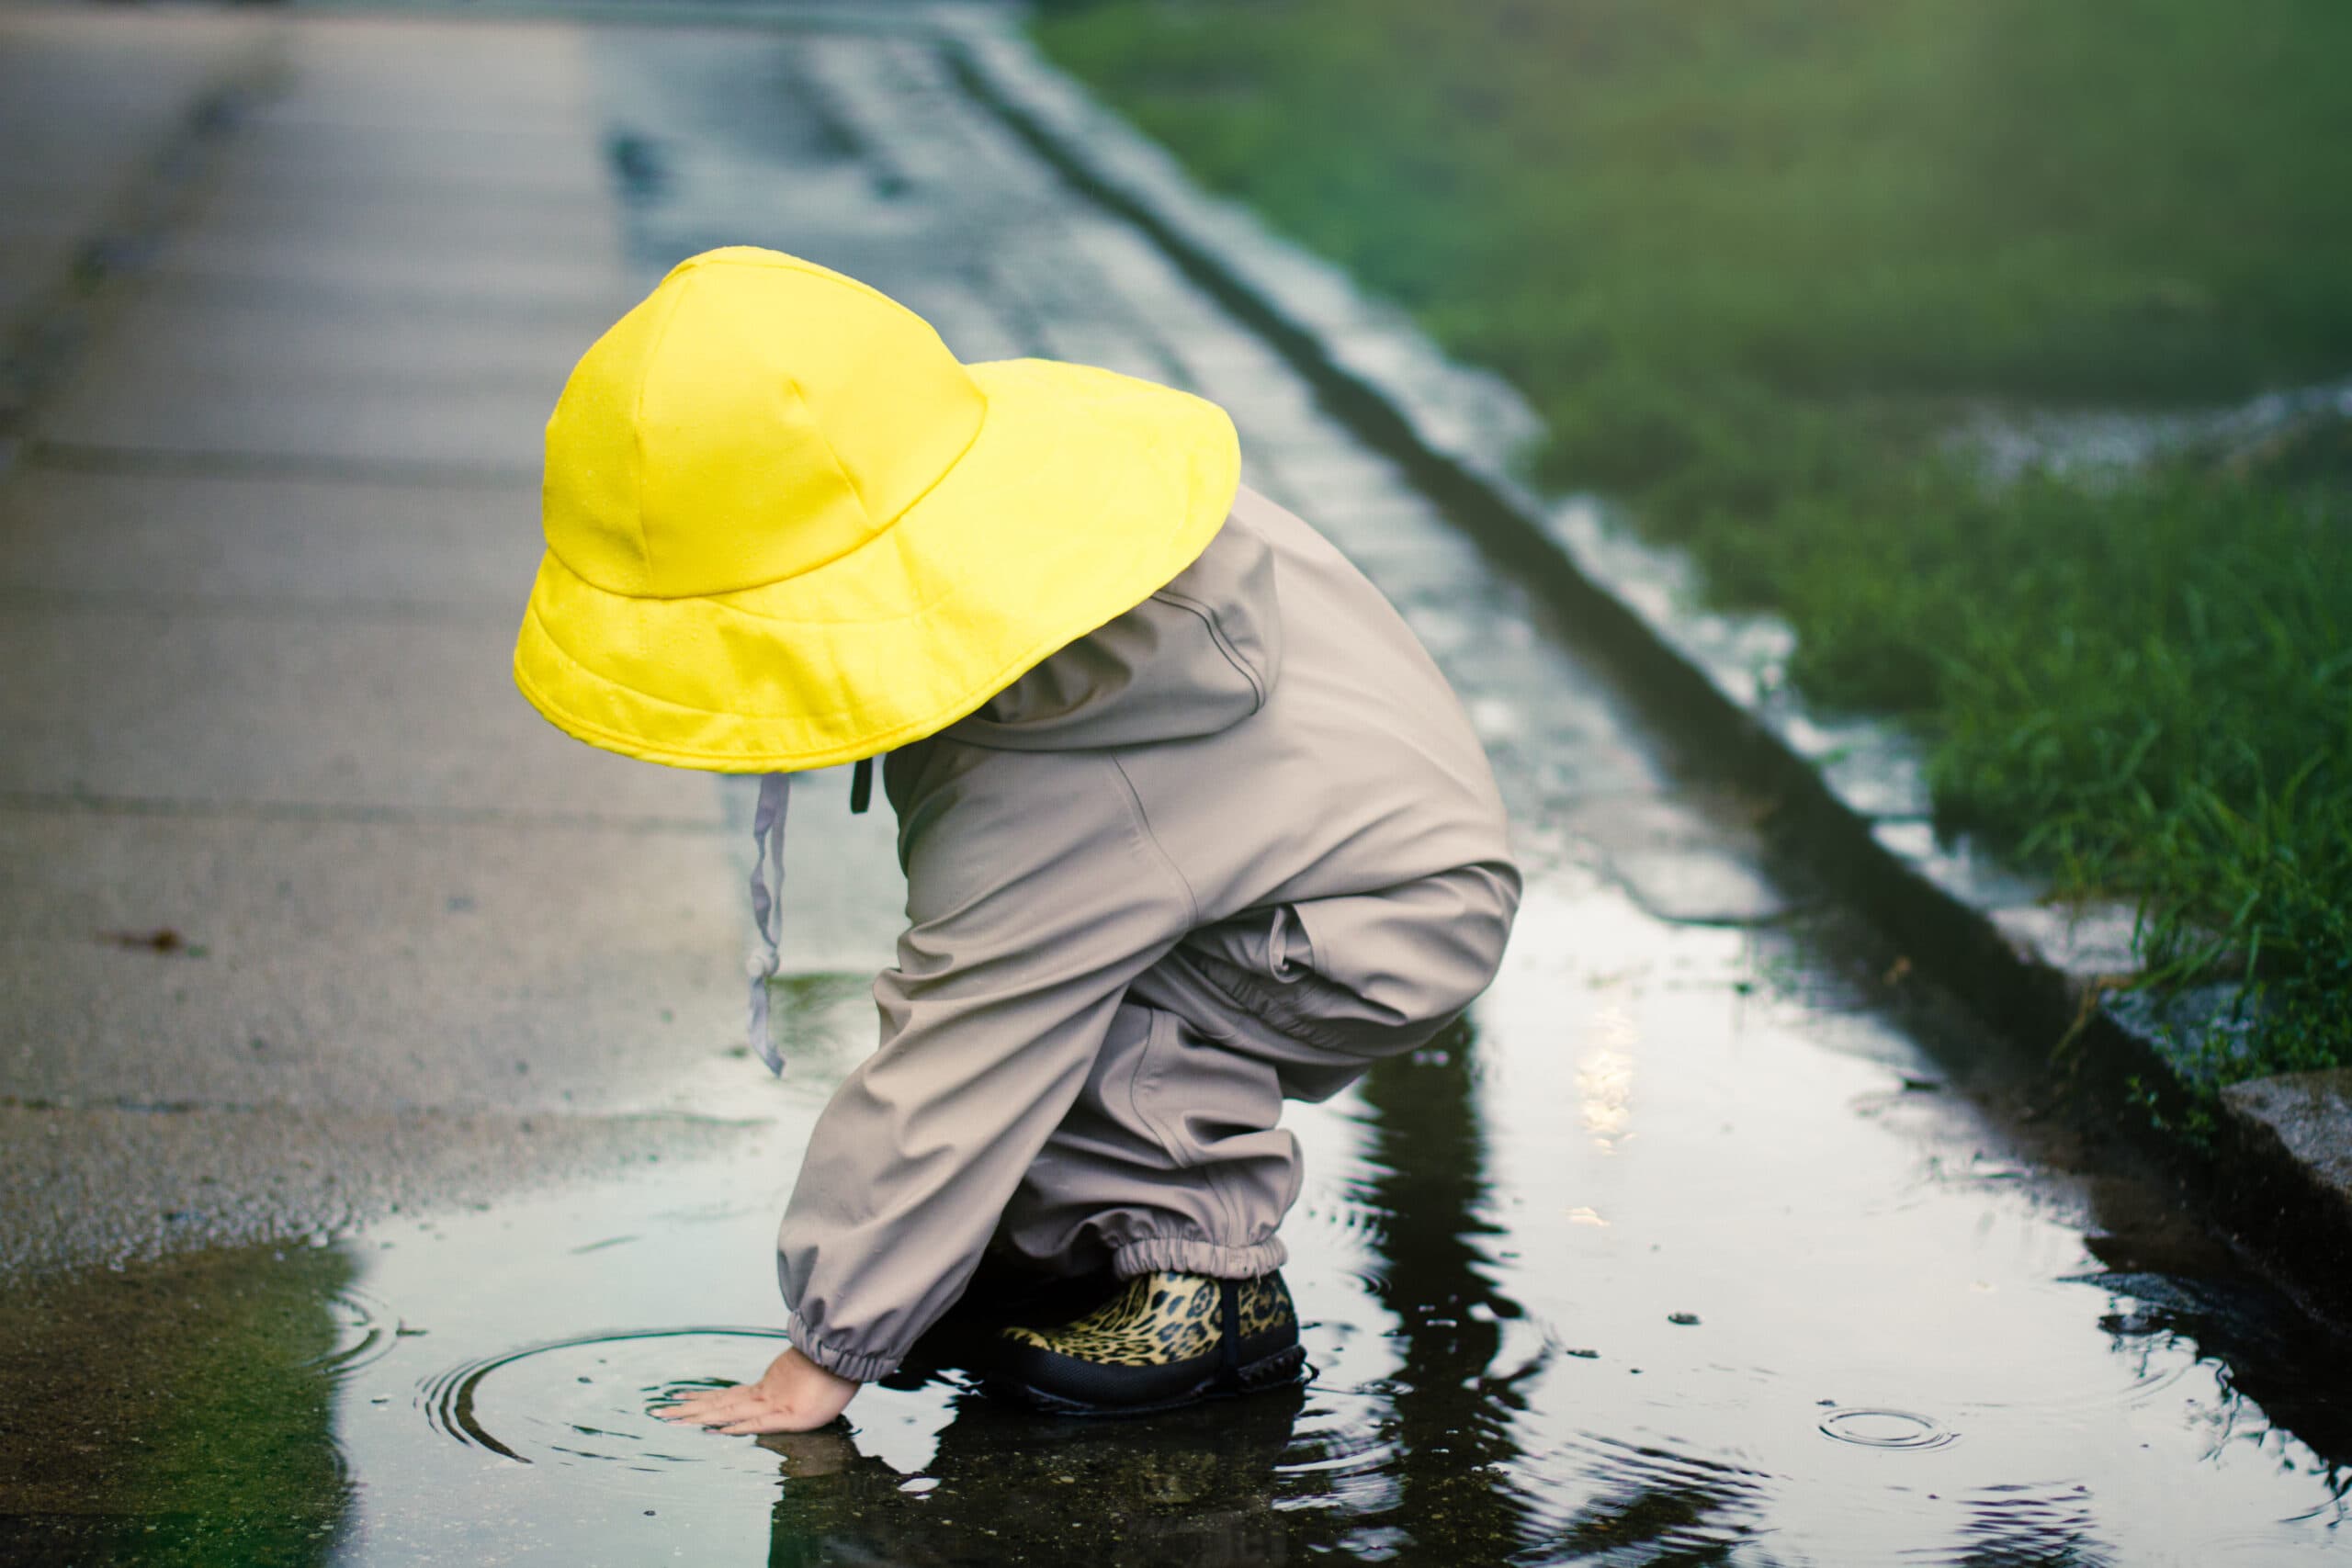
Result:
{"points": [[753, 418]]}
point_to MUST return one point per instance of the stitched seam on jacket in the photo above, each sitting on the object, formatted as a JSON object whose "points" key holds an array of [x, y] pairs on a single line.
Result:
{"points": [[1143, 822], [1217, 637]]}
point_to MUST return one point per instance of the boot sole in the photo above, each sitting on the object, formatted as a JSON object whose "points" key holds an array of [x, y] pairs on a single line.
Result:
{"points": [[1281, 1368]]}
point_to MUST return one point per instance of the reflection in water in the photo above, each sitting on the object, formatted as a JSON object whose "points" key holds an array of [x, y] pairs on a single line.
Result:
{"points": [[1209, 1486], [2268, 1349], [1194, 1488], [1605, 1078], [2030, 1526], [1449, 1408], [1204, 1487], [1652, 1506]]}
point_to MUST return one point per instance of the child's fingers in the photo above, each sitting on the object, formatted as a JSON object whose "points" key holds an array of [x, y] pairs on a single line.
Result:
{"points": [[760, 1425], [714, 1404], [738, 1418], [710, 1414], [711, 1395]]}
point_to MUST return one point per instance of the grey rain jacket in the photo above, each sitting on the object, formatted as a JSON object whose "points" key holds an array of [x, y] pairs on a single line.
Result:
{"points": [[1236, 793]]}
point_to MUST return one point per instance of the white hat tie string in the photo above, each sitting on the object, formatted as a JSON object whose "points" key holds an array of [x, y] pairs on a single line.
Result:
{"points": [[767, 909]]}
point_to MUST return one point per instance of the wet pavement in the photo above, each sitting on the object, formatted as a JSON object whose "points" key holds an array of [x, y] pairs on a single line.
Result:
{"points": [[1710, 1238]]}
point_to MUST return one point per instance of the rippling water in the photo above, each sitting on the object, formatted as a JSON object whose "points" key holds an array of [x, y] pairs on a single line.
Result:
{"points": [[1682, 1254], [1662, 1265]]}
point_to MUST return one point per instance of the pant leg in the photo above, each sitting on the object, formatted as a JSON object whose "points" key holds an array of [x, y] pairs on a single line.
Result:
{"points": [[1172, 1158]]}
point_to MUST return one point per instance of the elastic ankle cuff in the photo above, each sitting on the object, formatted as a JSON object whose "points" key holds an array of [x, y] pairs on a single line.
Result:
{"points": [[840, 1364], [1184, 1254]]}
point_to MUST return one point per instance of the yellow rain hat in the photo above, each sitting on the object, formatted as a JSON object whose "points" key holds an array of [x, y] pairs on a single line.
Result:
{"points": [[786, 529]]}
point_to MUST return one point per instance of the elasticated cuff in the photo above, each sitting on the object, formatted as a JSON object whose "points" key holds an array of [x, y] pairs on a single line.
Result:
{"points": [[1188, 1255], [840, 1364]]}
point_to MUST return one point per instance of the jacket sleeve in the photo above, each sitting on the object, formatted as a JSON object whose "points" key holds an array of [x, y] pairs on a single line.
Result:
{"points": [[1028, 918]]}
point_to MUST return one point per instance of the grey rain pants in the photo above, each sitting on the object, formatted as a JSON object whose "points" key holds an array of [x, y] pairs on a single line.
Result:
{"points": [[1172, 1156]]}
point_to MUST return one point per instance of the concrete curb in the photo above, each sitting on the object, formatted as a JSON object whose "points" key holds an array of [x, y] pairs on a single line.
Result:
{"points": [[1852, 792], [2291, 1131]]}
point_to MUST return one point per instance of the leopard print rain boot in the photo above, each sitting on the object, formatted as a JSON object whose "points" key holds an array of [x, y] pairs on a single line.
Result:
{"points": [[1166, 1339]]}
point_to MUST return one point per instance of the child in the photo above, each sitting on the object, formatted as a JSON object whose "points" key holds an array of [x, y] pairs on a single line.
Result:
{"points": [[1190, 823]]}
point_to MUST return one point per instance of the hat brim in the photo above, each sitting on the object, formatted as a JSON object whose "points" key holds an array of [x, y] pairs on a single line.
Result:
{"points": [[1084, 494]]}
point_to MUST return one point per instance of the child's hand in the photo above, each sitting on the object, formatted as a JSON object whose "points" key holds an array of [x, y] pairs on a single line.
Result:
{"points": [[796, 1394]]}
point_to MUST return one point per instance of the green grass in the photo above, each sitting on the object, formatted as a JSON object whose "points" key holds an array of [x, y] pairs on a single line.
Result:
{"points": [[1752, 261]]}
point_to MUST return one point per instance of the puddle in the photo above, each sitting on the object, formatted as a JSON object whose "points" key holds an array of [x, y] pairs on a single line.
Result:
{"points": [[1663, 1264], [590, 1400], [364, 1330]]}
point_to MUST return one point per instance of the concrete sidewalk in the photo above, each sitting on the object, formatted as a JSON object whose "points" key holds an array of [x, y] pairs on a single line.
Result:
{"points": [[306, 913], [99, 115]]}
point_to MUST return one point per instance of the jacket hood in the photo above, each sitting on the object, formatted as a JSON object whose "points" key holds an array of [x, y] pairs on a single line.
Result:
{"points": [[1198, 657]]}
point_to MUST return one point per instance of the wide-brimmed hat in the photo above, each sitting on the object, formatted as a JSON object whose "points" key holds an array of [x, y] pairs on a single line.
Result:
{"points": [[786, 529]]}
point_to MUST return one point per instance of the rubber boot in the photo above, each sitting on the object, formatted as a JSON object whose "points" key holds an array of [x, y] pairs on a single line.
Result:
{"points": [[1166, 1340]]}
